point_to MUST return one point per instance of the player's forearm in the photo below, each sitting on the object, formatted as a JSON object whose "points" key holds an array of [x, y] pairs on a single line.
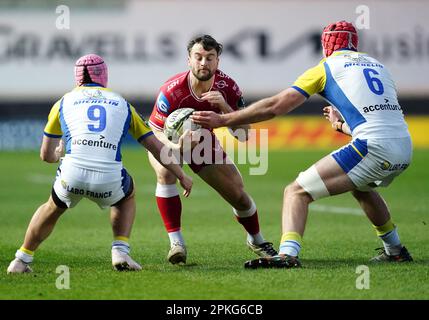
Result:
{"points": [[342, 127], [164, 140], [227, 109], [265, 109], [241, 131], [172, 167], [256, 112], [155, 146]]}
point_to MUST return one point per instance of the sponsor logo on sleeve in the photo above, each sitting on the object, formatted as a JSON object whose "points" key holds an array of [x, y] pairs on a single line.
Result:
{"points": [[160, 117], [221, 84], [236, 90], [162, 103]]}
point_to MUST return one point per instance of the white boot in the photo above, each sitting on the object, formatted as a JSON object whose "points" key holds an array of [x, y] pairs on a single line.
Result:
{"points": [[18, 266], [177, 253], [123, 262]]}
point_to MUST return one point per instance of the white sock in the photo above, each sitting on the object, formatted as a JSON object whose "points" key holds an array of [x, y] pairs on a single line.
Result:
{"points": [[391, 242], [166, 190], [25, 257], [255, 238], [290, 247], [176, 236], [122, 246]]}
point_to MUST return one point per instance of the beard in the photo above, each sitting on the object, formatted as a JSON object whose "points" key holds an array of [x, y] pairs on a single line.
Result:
{"points": [[201, 77]]}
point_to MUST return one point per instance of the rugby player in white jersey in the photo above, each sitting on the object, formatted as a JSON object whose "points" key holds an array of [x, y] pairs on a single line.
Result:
{"points": [[93, 121], [364, 105]]}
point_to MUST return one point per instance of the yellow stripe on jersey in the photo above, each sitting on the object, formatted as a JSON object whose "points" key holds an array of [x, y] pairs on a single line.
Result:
{"points": [[337, 53], [311, 81], [91, 87], [356, 149], [53, 126], [139, 129]]}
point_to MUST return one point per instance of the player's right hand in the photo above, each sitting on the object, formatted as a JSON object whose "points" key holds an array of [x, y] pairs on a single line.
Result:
{"points": [[208, 119], [186, 183]]}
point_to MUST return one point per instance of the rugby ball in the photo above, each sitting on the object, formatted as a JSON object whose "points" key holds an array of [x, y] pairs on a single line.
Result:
{"points": [[177, 122]]}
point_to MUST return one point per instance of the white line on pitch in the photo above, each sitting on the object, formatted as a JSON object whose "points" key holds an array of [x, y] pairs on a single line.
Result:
{"points": [[333, 209], [40, 178]]}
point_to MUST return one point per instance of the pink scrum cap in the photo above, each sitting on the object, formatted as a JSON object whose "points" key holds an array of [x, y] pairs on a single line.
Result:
{"points": [[91, 68]]}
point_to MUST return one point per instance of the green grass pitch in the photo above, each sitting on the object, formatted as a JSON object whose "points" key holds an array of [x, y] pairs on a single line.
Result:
{"points": [[337, 240]]}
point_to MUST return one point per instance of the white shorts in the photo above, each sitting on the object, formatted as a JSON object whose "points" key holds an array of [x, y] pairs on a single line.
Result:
{"points": [[374, 162], [104, 188]]}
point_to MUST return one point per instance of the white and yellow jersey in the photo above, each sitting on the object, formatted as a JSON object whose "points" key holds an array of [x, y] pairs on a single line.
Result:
{"points": [[94, 122], [361, 89]]}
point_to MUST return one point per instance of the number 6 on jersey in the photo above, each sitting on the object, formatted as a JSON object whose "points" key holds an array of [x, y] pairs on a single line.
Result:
{"points": [[371, 80]]}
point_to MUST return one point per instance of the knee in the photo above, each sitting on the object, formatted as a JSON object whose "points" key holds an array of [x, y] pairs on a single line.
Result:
{"points": [[294, 191], [357, 194], [51, 209], [361, 195]]}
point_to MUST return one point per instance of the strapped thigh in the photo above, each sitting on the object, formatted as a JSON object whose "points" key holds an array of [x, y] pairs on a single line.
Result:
{"points": [[312, 183]]}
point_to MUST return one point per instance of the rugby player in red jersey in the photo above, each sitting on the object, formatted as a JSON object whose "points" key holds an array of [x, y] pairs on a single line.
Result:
{"points": [[204, 87]]}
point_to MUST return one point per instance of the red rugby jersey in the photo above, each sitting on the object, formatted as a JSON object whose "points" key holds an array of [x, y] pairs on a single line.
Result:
{"points": [[176, 93]]}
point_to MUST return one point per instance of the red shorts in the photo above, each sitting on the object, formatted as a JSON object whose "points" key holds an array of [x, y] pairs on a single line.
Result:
{"points": [[217, 155]]}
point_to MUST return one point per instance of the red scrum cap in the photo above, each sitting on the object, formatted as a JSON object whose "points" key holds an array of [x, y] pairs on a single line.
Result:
{"points": [[339, 35], [91, 68]]}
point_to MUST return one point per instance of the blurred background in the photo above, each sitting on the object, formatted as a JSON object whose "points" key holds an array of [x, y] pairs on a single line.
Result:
{"points": [[267, 45]]}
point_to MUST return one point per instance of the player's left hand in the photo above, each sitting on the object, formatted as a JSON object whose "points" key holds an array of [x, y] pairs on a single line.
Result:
{"points": [[207, 119], [215, 98]]}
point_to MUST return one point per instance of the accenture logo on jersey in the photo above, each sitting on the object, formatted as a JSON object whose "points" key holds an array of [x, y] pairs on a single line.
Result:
{"points": [[382, 106], [94, 143]]}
